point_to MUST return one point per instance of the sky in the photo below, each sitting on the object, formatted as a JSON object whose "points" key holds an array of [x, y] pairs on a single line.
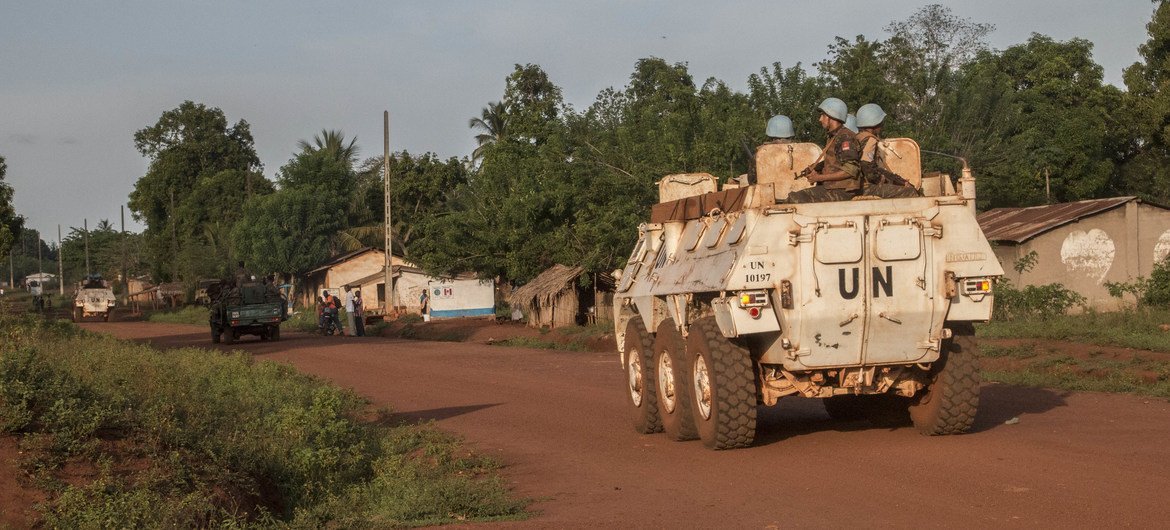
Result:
{"points": [[77, 79]]}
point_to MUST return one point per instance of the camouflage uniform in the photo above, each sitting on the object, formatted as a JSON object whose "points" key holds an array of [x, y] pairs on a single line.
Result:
{"points": [[877, 178], [840, 154]]}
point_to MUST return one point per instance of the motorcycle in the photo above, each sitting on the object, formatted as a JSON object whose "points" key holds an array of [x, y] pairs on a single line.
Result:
{"points": [[329, 322]]}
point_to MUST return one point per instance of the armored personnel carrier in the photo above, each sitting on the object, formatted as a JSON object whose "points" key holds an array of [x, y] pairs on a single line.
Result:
{"points": [[94, 297], [733, 299]]}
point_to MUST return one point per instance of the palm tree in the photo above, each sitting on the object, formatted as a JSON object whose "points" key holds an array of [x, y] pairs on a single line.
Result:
{"points": [[493, 121], [333, 143]]}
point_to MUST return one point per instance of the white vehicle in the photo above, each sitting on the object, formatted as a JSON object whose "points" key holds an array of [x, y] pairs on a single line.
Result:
{"points": [[733, 299], [94, 298]]}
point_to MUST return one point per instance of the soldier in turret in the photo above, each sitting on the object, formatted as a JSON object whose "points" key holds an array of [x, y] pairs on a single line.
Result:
{"points": [[779, 131], [835, 177], [877, 178]]}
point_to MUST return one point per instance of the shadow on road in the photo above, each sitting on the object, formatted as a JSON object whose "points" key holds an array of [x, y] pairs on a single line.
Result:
{"points": [[423, 416], [1000, 403], [793, 417]]}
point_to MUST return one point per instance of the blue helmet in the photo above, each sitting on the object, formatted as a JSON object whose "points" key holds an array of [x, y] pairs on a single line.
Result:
{"points": [[835, 108], [870, 115], [851, 123], [779, 126]]}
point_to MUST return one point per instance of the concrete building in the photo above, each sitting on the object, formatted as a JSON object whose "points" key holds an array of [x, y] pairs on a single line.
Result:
{"points": [[346, 269], [364, 270], [1081, 245]]}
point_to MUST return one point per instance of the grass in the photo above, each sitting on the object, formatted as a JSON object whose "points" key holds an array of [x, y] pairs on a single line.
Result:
{"points": [[530, 342], [570, 338], [195, 438], [191, 314], [1028, 366], [1138, 328]]}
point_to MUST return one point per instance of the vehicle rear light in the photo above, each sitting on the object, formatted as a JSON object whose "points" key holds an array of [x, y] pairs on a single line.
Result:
{"points": [[977, 285], [753, 299]]}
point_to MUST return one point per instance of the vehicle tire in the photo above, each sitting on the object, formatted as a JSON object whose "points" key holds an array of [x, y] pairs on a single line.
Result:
{"points": [[275, 333], [263, 334], [229, 335], [949, 402], [845, 408], [673, 383], [215, 335], [723, 386], [640, 383], [107, 317]]}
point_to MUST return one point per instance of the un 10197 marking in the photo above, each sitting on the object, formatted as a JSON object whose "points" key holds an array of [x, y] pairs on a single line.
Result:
{"points": [[753, 277]]}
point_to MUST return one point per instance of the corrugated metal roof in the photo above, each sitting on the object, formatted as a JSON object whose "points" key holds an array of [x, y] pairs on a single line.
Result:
{"points": [[1018, 225]]}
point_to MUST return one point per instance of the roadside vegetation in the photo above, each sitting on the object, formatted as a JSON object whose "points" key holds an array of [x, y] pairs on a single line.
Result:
{"points": [[1032, 364], [123, 435], [571, 338], [192, 314]]}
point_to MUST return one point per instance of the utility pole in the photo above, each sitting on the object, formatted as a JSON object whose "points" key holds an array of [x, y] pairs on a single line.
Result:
{"points": [[1047, 188], [60, 264], [40, 271], [122, 240], [174, 237], [85, 223], [389, 276]]}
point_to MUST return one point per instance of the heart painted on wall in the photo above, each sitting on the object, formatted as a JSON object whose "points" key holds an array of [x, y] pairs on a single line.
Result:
{"points": [[1089, 253]]}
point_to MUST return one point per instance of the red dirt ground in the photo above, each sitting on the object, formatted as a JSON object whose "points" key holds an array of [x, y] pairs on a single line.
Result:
{"points": [[557, 420]]}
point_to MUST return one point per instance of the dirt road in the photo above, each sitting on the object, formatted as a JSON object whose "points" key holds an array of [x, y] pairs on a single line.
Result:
{"points": [[556, 419]]}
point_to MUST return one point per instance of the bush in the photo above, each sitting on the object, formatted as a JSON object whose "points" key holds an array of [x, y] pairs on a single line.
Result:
{"points": [[191, 314], [195, 438], [1033, 300]]}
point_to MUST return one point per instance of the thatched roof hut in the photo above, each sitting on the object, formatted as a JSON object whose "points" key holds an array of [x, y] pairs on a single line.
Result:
{"points": [[556, 298]]}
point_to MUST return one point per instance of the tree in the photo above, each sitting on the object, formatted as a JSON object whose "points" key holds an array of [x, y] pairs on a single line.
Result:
{"points": [[858, 72], [1059, 123], [332, 143], [792, 92], [187, 145], [109, 250], [922, 55], [10, 223], [295, 228], [1145, 159], [493, 126]]}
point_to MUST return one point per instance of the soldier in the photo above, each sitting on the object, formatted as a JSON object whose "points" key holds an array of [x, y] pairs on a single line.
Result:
{"points": [[851, 123], [877, 178], [779, 131], [835, 175]]}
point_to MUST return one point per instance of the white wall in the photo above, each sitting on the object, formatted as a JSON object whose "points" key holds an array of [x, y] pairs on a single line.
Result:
{"points": [[462, 298]]}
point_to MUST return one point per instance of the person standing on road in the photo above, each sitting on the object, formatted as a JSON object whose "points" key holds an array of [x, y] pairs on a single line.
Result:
{"points": [[348, 311], [359, 315]]}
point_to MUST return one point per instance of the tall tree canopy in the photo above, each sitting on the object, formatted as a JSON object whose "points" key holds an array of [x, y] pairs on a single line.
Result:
{"points": [[189, 145], [10, 223], [1145, 158]]}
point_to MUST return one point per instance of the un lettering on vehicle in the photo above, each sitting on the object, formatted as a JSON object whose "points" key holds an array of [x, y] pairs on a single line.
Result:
{"points": [[757, 273], [881, 284]]}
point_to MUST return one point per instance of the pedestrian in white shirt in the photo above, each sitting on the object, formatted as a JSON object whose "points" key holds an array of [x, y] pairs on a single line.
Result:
{"points": [[348, 312]]}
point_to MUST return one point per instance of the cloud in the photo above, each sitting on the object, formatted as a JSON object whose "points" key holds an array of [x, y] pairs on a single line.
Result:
{"points": [[68, 140], [26, 139]]}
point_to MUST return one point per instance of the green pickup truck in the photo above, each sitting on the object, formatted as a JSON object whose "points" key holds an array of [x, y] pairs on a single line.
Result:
{"points": [[252, 308]]}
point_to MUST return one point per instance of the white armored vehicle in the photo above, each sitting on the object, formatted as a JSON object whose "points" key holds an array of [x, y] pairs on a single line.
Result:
{"points": [[733, 299], [94, 297]]}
